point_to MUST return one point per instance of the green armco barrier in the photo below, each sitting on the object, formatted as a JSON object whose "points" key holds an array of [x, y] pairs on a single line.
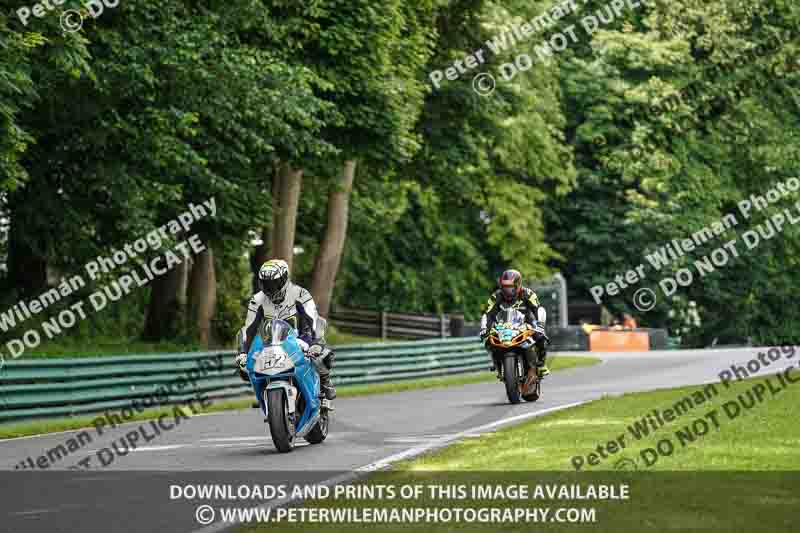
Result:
{"points": [[38, 388]]}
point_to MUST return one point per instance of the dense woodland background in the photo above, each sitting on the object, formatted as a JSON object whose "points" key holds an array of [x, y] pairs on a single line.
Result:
{"points": [[314, 126]]}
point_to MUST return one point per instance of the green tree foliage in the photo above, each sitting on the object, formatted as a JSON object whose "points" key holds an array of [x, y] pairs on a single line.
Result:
{"points": [[679, 113]]}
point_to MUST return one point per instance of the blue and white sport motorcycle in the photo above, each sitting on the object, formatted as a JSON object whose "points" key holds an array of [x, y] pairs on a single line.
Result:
{"points": [[287, 384]]}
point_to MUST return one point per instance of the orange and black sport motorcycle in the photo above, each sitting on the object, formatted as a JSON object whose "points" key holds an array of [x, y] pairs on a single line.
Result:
{"points": [[508, 340]]}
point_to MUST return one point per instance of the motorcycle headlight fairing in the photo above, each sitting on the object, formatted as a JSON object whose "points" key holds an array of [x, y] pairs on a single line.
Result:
{"points": [[272, 360]]}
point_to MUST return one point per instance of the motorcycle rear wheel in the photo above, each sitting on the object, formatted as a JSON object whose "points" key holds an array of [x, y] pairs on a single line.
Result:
{"points": [[511, 378], [320, 431], [536, 394], [280, 427]]}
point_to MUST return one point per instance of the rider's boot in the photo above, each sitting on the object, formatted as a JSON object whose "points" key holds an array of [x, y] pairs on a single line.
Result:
{"points": [[327, 388], [541, 366], [496, 367], [493, 366]]}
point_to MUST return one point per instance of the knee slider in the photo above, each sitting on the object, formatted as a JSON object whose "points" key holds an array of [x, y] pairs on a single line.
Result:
{"points": [[319, 364]]}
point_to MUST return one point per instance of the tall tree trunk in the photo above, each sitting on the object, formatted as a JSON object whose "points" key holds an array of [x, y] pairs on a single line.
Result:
{"points": [[326, 265], [182, 287], [27, 271], [284, 214], [166, 305], [203, 295], [262, 252]]}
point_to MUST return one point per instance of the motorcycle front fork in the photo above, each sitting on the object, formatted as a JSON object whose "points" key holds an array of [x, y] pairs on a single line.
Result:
{"points": [[498, 366]]}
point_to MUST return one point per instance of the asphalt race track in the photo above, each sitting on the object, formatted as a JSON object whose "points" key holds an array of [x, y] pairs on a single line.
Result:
{"points": [[366, 433]]}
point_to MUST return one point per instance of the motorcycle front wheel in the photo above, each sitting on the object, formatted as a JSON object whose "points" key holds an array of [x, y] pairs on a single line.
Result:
{"points": [[281, 428], [511, 378]]}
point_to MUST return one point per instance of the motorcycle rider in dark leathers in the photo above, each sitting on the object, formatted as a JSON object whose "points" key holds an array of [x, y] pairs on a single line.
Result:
{"points": [[513, 295]]}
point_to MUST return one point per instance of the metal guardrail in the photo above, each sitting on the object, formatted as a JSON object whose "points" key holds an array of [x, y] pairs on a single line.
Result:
{"points": [[374, 363], [38, 388], [389, 325]]}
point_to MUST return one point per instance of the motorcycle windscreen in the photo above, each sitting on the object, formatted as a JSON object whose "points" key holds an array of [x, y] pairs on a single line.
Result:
{"points": [[279, 331], [512, 317]]}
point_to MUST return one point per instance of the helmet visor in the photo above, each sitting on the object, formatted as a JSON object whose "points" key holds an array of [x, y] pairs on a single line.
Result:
{"points": [[509, 292], [272, 286]]}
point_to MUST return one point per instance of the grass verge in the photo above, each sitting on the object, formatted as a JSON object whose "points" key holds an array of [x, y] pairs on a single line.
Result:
{"points": [[37, 427], [709, 432]]}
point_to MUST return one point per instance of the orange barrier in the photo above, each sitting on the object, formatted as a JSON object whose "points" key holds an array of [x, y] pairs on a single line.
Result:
{"points": [[619, 341]]}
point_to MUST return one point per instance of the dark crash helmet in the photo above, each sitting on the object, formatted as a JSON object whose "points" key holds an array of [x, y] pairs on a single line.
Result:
{"points": [[510, 285], [273, 278]]}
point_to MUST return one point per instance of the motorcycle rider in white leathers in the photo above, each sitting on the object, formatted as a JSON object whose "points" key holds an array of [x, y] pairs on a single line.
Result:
{"points": [[280, 298]]}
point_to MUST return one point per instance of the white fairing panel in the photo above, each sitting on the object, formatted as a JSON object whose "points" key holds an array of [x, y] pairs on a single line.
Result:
{"points": [[272, 360]]}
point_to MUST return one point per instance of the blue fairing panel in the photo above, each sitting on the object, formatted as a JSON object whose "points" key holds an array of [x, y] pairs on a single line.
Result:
{"points": [[306, 379], [304, 376]]}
